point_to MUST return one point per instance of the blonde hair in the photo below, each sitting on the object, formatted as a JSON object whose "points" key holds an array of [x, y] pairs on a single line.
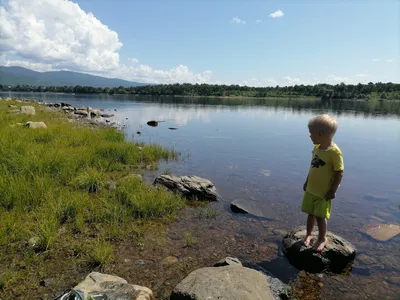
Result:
{"points": [[325, 123]]}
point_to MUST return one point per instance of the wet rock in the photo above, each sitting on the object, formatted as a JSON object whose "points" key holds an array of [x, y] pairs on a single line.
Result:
{"points": [[381, 232], [35, 125], [107, 115], [192, 187], [228, 261], [28, 110], [152, 123], [169, 260], [366, 260], [223, 283], [172, 128], [112, 287], [336, 257]]}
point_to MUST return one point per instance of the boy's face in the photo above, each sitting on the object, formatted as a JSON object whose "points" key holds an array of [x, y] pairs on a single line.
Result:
{"points": [[316, 135]]}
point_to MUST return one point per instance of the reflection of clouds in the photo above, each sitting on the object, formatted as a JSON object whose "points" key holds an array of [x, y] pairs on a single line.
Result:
{"points": [[265, 172], [179, 115]]}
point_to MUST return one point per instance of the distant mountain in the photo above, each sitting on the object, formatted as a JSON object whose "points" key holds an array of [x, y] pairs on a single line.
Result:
{"points": [[21, 76]]}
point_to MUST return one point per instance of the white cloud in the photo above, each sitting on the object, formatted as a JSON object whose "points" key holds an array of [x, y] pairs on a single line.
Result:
{"points": [[236, 20], [259, 21], [337, 79], [362, 75], [133, 60], [292, 81], [277, 14], [27, 64], [145, 73], [263, 82], [387, 60], [48, 35], [57, 31]]}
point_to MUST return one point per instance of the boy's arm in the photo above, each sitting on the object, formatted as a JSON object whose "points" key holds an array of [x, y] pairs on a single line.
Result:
{"points": [[337, 178]]}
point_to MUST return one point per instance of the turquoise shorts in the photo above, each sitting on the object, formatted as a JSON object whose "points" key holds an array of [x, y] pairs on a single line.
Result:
{"points": [[316, 206]]}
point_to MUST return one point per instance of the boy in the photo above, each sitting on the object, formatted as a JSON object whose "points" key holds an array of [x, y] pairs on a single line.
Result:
{"points": [[324, 177]]}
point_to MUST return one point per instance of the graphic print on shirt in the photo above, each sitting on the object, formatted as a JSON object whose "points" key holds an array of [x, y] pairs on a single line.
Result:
{"points": [[317, 162]]}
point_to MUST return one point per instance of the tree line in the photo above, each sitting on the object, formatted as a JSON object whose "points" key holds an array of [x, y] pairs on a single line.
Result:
{"points": [[323, 91]]}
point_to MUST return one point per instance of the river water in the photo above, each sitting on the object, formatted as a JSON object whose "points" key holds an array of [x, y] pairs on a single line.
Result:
{"points": [[258, 151]]}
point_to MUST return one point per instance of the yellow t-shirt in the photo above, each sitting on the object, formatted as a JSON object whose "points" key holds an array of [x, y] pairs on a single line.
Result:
{"points": [[323, 165]]}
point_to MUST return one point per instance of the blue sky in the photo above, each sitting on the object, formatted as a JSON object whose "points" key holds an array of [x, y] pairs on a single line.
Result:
{"points": [[221, 41]]}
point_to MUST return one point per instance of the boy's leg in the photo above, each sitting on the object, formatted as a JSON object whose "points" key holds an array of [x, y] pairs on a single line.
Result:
{"points": [[322, 227], [310, 227]]}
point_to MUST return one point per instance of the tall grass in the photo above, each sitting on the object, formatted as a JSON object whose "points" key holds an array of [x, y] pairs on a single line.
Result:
{"points": [[53, 185]]}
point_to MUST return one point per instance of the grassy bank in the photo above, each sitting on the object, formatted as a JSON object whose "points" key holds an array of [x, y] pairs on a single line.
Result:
{"points": [[67, 196]]}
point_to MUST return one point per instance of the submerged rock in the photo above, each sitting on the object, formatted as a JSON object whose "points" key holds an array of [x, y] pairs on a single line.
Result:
{"points": [[336, 257], [106, 286], [223, 283], [382, 232], [192, 187]]}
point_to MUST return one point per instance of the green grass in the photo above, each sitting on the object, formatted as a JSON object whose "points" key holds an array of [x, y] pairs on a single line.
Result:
{"points": [[53, 185]]}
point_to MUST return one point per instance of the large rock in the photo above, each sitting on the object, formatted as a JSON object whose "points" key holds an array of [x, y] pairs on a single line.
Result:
{"points": [[28, 110], [112, 288], [336, 257], [223, 283], [192, 187], [35, 125]]}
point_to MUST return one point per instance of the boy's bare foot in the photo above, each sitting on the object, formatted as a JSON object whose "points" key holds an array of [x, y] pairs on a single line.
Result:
{"points": [[320, 245], [307, 240]]}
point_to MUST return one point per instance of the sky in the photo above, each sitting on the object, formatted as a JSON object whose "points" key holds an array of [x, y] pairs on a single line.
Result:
{"points": [[246, 42]]}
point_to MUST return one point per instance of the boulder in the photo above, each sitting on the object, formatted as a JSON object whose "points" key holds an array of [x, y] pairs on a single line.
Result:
{"points": [[223, 283], [28, 110], [191, 187], [35, 125], [337, 256], [103, 286]]}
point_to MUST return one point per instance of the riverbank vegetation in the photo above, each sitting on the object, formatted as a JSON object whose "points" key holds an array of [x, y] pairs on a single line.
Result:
{"points": [[68, 194], [370, 91]]}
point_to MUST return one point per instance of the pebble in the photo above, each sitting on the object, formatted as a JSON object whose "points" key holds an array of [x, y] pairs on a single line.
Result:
{"points": [[169, 260]]}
